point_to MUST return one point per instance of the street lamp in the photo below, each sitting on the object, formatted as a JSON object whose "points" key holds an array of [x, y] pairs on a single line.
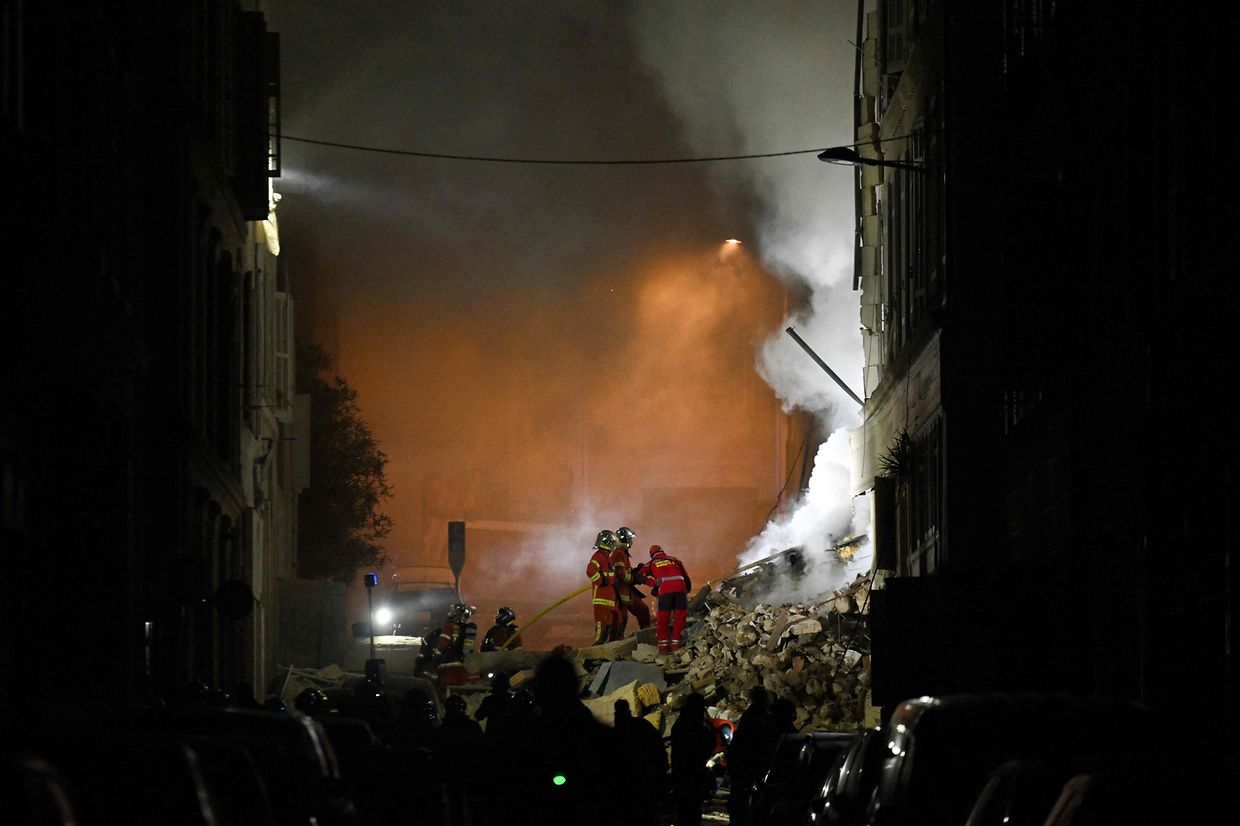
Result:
{"points": [[847, 156]]}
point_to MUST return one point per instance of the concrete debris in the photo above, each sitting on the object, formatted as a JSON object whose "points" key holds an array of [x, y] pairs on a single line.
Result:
{"points": [[493, 662], [621, 672], [815, 654], [645, 653], [616, 650], [642, 698]]}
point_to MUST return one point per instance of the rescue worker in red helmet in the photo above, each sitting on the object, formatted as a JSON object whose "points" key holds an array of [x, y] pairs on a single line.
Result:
{"points": [[632, 601], [667, 575], [502, 631], [602, 578]]}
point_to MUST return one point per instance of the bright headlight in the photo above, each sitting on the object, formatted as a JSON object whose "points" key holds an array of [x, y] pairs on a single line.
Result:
{"points": [[383, 616]]}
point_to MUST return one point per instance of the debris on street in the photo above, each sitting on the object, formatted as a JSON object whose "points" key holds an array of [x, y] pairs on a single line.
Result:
{"points": [[815, 653]]}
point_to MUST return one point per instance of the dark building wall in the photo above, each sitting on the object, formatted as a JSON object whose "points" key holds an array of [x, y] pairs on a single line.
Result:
{"points": [[1104, 342], [120, 321], [1088, 505], [70, 139]]}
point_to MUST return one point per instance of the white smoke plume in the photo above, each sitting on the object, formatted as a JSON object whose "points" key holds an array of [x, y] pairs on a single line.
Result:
{"points": [[778, 77]]}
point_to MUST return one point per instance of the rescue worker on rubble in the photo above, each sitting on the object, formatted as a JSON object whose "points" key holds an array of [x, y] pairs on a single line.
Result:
{"points": [[607, 617], [667, 576], [451, 643], [632, 601], [504, 629]]}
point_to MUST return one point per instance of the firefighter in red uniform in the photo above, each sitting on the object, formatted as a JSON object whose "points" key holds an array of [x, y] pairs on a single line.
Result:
{"points": [[631, 600], [602, 577], [502, 631], [667, 575], [451, 644]]}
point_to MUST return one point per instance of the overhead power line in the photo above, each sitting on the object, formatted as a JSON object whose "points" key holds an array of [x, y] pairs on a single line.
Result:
{"points": [[559, 161]]}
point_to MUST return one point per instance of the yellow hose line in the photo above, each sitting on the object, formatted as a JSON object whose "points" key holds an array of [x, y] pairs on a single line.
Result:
{"points": [[544, 611]]}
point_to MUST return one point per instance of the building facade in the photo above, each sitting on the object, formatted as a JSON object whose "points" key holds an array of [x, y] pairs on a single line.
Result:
{"points": [[149, 431], [1043, 280]]}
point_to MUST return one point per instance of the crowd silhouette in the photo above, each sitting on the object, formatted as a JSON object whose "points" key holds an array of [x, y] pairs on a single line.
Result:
{"points": [[532, 755]]}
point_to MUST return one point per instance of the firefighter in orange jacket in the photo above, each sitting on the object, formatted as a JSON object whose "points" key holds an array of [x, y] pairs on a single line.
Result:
{"points": [[632, 601], [602, 577], [667, 575]]}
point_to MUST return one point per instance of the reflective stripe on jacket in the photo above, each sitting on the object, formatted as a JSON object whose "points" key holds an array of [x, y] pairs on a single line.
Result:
{"points": [[667, 574], [601, 577]]}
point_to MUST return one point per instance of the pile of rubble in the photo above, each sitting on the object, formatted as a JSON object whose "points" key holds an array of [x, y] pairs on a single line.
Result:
{"points": [[815, 654]]}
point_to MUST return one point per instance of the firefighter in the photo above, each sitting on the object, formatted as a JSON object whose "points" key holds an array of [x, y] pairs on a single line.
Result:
{"points": [[632, 601], [502, 631], [451, 644], [667, 575], [606, 606]]}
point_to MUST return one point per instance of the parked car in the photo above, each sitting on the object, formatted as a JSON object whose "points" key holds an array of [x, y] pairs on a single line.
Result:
{"points": [[847, 790], [116, 777], [1018, 793], [370, 766], [1181, 785], [416, 603], [784, 794], [942, 750], [235, 783], [292, 753], [787, 750], [34, 791]]}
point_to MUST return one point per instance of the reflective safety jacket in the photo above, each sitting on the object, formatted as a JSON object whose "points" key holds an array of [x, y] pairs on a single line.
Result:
{"points": [[622, 567], [498, 635], [454, 641], [667, 574], [602, 577]]}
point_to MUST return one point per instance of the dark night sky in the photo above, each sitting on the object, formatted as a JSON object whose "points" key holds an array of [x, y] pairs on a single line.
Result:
{"points": [[564, 344]]}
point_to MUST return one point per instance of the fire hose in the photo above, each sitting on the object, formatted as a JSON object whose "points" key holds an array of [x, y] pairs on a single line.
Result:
{"points": [[544, 612]]}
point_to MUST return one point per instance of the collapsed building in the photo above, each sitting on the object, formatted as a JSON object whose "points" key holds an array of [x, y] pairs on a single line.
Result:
{"points": [[813, 652]]}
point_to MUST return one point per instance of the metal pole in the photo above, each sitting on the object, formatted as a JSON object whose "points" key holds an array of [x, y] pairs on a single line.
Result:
{"points": [[370, 603], [824, 366]]}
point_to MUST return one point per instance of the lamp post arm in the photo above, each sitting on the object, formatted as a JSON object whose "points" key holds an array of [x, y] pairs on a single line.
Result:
{"points": [[824, 366]]}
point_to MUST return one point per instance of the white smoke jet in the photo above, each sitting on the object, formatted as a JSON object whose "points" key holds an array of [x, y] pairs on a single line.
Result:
{"points": [[777, 76]]}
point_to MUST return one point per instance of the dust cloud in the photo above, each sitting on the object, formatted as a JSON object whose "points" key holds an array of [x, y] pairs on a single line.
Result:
{"points": [[548, 350]]}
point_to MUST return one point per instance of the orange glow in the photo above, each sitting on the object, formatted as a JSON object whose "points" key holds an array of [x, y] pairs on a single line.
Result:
{"points": [[629, 399]]}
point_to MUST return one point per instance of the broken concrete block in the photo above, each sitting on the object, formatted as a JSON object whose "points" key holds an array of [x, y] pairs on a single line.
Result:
{"points": [[806, 627], [622, 672], [604, 708], [615, 650], [521, 678], [644, 653], [777, 629], [491, 662]]}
